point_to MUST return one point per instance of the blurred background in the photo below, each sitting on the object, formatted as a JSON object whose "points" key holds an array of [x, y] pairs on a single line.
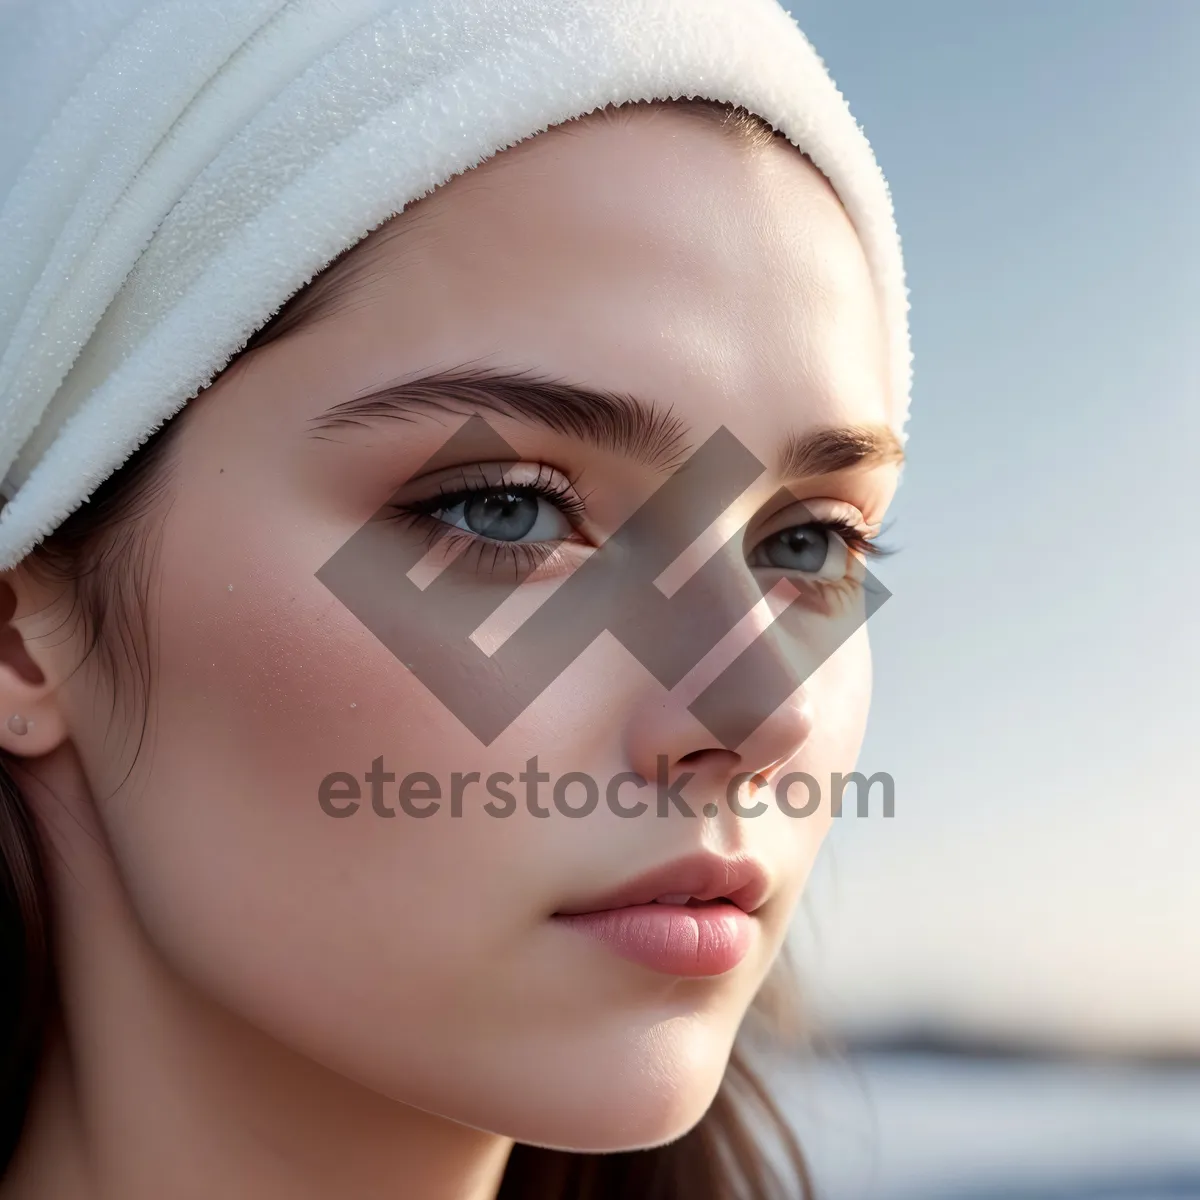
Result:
{"points": [[1011, 964]]}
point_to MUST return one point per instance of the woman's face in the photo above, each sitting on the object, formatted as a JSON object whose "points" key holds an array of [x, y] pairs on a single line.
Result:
{"points": [[428, 957]]}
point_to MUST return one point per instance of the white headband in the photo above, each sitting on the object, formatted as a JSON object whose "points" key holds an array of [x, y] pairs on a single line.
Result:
{"points": [[173, 170]]}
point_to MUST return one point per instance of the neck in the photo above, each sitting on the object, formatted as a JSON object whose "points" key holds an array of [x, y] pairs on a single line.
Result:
{"points": [[148, 1088]]}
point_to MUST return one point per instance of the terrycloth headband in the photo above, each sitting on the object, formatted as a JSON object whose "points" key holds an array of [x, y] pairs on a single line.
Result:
{"points": [[171, 171]]}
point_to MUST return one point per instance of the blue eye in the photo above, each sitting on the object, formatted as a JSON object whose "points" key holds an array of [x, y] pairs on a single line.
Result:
{"points": [[801, 548], [817, 549], [507, 514], [494, 522]]}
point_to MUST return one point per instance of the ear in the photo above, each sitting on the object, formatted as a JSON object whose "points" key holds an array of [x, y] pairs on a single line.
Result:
{"points": [[32, 722]]}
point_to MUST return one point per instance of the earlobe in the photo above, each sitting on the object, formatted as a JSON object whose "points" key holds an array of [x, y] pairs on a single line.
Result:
{"points": [[33, 732], [31, 723]]}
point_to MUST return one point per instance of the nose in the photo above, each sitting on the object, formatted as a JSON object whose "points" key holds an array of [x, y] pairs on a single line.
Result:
{"points": [[745, 709]]}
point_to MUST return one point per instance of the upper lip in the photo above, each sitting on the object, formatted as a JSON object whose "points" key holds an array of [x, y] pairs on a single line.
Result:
{"points": [[741, 880]]}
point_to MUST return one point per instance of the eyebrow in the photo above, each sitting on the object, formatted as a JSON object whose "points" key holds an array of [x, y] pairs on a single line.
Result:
{"points": [[645, 432], [825, 451], [636, 428]]}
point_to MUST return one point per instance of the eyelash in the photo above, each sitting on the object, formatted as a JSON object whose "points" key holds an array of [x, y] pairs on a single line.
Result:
{"points": [[524, 557], [529, 556], [855, 540]]}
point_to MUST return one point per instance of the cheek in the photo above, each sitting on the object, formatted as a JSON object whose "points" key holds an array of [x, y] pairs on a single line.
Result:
{"points": [[410, 954], [839, 695], [841, 688], [299, 920]]}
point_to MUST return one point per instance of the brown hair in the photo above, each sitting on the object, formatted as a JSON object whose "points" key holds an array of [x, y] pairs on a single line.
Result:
{"points": [[104, 552]]}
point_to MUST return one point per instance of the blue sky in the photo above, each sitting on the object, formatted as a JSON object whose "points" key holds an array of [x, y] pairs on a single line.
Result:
{"points": [[1038, 665]]}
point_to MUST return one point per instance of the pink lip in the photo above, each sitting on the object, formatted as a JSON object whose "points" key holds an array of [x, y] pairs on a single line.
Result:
{"points": [[705, 876], [707, 936], [676, 939]]}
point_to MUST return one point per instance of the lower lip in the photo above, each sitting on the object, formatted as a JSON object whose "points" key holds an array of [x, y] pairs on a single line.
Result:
{"points": [[676, 939]]}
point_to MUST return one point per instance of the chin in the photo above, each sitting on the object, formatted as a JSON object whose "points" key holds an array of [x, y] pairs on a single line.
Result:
{"points": [[592, 1123], [629, 1102]]}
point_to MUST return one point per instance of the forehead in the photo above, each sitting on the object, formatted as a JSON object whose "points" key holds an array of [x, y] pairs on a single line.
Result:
{"points": [[657, 254]]}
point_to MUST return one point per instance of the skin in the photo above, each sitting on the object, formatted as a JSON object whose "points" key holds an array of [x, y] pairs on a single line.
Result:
{"points": [[263, 1001]]}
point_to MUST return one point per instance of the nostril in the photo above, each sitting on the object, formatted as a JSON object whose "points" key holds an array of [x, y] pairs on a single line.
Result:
{"points": [[713, 754]]}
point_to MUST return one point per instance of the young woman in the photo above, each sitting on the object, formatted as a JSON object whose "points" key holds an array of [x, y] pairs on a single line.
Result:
{"points": [[321, 874]]}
